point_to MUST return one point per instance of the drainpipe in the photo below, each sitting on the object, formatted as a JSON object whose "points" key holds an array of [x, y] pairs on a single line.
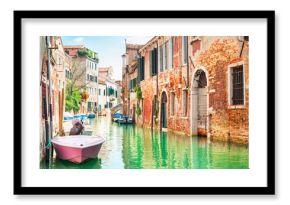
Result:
{"points": [[50, 94]]}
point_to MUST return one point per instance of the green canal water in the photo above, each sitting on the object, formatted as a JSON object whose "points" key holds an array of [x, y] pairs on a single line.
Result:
{"points": [[132, 147]]}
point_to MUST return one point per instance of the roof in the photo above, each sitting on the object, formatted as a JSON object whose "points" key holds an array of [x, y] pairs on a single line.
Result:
{"points": [[104, 69], [74, 46], [133, 46], [152, 40]]}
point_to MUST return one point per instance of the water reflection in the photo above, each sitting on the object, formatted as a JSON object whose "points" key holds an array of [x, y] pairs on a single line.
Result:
{"points": [[131, 147]]}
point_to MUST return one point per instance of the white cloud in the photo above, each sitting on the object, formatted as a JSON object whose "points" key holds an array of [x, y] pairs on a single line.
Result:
{"points": [[138, 39], [79, 40]]}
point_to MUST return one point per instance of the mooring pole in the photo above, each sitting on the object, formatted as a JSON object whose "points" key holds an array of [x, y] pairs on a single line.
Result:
{"points": [[50, 96], [46, 133]]}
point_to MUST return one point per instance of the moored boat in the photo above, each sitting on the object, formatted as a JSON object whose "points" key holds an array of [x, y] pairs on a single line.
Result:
{"points": [[67, 116], [83, 116], [125, 120], [116, 117], [77, 148], [91, 115], [78, 116]]}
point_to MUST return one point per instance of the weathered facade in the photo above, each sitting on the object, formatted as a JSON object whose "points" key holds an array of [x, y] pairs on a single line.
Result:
{"points": [[196, 85], [85, 70], [52, 86], [130, 79]]}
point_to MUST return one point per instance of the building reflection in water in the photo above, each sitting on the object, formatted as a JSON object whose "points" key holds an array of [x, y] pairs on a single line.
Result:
{"points": [[131, 147]]}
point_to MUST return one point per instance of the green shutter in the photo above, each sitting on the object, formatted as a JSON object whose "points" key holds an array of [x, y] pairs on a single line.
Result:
{"points": [[161, 58], [143, 68], [156, 60], [139, 70], [153, 62], [150, 55]]}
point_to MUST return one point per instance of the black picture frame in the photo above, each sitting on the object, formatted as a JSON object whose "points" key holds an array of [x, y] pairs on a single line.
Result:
{"points": [[268, 190]]}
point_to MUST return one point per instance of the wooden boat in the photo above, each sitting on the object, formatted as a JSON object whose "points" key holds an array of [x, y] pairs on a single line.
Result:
{"points": [[91, 115], [77, 148], [116, 117], [83, 116], [125, 120]]}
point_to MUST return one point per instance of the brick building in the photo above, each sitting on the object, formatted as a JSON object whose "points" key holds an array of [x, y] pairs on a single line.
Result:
{"points": [[196, 85]]}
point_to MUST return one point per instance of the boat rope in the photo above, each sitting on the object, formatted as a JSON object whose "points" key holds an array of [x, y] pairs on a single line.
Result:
{"points": [[48, 144]]}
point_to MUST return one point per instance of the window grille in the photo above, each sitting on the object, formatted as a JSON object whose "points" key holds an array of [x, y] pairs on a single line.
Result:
{"points": [[237, 85]]}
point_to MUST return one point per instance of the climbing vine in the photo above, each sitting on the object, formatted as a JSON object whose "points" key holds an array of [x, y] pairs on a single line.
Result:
{"points": [[156, 113], [138, 92]]}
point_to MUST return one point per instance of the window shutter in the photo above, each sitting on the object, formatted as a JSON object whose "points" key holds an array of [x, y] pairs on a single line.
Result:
{"points": [[185, 46], [139, 71], [161, 58], [166, 56], [142, 68], [172, 51], [156, 60], [150, 62]]}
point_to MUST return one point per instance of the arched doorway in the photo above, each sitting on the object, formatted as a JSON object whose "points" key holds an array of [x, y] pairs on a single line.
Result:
{"points": [[163, 110], [199, 103]]}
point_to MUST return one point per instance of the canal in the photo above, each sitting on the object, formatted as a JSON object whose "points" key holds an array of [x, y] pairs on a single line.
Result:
{"points": [[132, 147]]}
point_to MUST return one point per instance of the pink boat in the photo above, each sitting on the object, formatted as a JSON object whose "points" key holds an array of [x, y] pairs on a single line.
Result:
{"points": [[77, 148]]}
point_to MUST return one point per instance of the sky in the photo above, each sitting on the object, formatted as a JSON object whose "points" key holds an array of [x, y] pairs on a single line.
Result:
{"points": [[109, 48]]}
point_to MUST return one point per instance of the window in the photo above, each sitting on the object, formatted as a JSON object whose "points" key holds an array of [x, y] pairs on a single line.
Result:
{"points": [[132, 84], [166, 56], [184, 49], [153, 61], [184, 103], [171, 52], [172, 103], [104, 92], [141, 68], [99, 91], [237, 85], [161, 58], [88, 77]]}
